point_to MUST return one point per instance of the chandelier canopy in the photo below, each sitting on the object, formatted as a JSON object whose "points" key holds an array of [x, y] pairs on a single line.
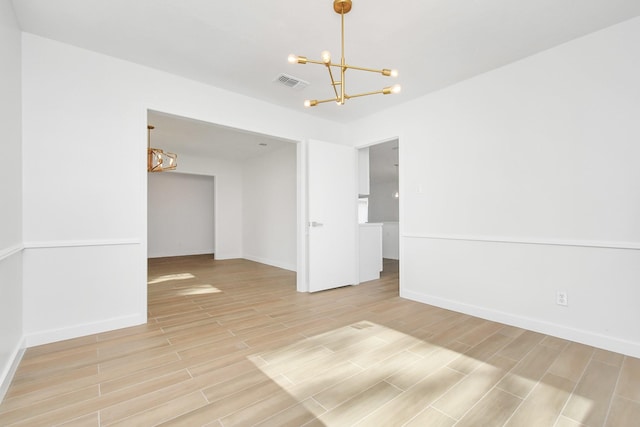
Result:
{"points": [[343, 7]]}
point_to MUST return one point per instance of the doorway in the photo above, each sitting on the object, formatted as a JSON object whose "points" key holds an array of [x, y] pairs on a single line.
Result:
{"points": [[380, 201], [233, 193]]}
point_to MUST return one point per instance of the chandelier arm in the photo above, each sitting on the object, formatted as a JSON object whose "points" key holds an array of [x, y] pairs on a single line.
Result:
{"points": [[373, 70], [313, 61], [383, 71], [333, 82], [365, 94], [336, 99]]}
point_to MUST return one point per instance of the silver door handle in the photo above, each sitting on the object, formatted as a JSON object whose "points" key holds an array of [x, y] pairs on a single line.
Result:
{"points": [[315, 224]]}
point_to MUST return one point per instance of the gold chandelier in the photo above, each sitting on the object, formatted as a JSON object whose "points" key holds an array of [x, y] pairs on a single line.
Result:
{"points": [[158, 160], [343, 7]]}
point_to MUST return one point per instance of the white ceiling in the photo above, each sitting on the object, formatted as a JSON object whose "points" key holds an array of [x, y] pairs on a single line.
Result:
{"points": [[243, 45], [191, 137], [196, 138]]}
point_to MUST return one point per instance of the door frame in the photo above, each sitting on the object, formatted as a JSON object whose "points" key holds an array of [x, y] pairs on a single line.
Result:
{"points": [[302, 248]]}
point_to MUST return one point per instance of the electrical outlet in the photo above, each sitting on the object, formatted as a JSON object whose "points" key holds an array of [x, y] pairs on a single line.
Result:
{"points": [[561, 298]]}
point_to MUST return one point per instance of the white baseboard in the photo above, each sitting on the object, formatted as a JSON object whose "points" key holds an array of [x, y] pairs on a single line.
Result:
{"points": [[11, 368], [54, 335], [183, 253], [285, 266], [222, 256], [578, 335]]}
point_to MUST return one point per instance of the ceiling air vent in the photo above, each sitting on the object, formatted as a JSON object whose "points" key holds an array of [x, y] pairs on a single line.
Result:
{"points": [[290, 81]]}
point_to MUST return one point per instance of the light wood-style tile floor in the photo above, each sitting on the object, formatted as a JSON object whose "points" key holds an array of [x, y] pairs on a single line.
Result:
{"points": [[231, 343]]}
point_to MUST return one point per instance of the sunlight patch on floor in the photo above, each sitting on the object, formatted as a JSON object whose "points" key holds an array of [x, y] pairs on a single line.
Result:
{"points": [[198, 290], [328, 366], [169, 277], [369, 373]]}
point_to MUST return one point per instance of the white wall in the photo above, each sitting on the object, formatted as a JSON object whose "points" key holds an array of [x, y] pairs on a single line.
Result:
{"points": [[524, 181], [269, 208], [79, 106], [383, 206], [256, 208], [228, 206], [11, 196], [180, 214]]}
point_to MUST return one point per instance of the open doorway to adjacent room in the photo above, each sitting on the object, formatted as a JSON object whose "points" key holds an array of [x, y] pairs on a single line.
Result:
{"points": [[379, 194], [233, 195]]}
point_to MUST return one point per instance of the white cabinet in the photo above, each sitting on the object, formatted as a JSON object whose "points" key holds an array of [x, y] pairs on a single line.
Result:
{"points": [[391, 240], [370, 238]]}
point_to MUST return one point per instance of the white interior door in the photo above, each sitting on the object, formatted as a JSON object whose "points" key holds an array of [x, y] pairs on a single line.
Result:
{"points": [[332, 214]]}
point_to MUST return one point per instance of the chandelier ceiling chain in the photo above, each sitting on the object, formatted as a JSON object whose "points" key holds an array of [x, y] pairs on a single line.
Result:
{"points": [[343, 7], [158, 160]]}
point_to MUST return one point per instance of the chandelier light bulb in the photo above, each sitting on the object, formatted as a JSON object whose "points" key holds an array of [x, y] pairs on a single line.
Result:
{"points": [[394, 73], [326, 57], [396, 89]]}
